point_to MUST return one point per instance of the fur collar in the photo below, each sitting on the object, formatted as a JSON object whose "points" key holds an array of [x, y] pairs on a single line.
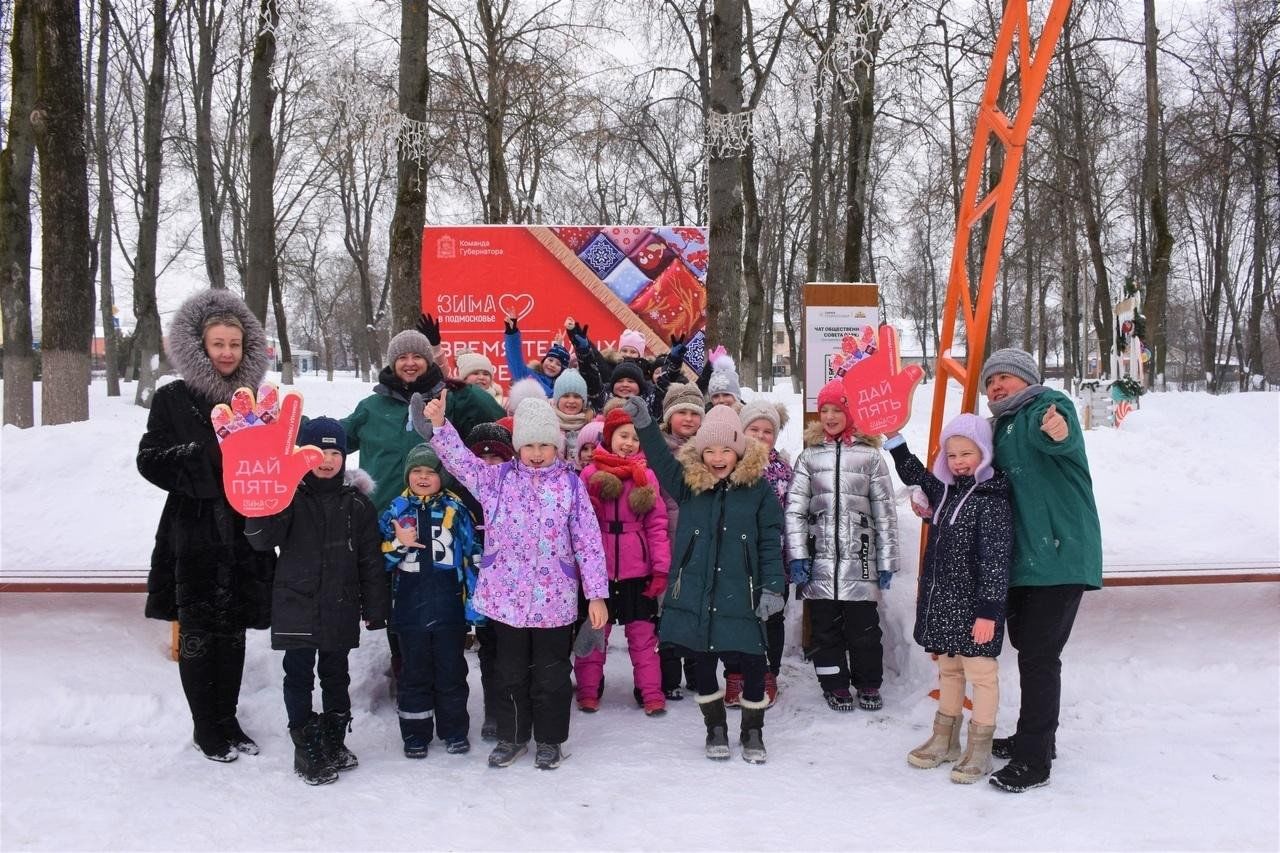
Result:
{"points": [[359, 479], [698, 477], [814, 436], [185, 346]]}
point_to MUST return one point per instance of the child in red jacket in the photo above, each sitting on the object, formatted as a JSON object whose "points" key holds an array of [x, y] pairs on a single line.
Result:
{"points": [[633, 525]]}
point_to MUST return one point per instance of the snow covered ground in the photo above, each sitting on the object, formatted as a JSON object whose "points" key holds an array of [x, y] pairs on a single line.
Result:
{"points": [[1171, 712]]}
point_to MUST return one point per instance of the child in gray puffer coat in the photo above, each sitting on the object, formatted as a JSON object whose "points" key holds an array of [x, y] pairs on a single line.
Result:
{"points": [[842, 548]]}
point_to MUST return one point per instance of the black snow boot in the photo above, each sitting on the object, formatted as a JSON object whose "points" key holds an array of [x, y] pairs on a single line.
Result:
{"points": [[1002, 747], [240, 742], [713, 714], [334, 726], [210, 741], [1018, 776], [309, 760], [752, 737]]}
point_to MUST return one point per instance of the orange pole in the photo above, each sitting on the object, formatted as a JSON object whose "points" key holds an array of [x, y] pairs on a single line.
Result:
{"points": [[1011, 133]]}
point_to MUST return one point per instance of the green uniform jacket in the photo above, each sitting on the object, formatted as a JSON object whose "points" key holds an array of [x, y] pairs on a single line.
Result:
{"points": [[727, 549], [1057, 538], [379, 428]]}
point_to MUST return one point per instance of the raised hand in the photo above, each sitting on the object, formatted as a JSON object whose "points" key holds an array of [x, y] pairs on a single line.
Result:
{"points": [[578, 335], [261, 467], [1053, 424], [880, 389], [510, 325], [429, 326]]}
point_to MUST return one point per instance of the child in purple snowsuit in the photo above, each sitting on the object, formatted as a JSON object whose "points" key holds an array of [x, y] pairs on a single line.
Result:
{"points": [[541, 542]]}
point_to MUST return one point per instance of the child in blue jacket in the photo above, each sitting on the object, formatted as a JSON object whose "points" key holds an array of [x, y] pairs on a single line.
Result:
{"points": [[429, 542]]}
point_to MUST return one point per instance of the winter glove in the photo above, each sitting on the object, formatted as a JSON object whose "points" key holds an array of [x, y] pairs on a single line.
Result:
{"points": [[421, 425], [578, 335], [510, 325], [638, 412], [429, 327], [678, 346], [799, 572], [657, 586], [770, 603], [886, 578], [589, 640]]}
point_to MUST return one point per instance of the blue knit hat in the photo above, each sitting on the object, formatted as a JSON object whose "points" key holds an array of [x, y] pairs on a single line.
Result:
{"points": [[324, 433], [569, 382], [559, 353]]}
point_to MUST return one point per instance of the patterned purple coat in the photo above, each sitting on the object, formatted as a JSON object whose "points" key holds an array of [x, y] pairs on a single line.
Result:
{"points": [[541, 535]]}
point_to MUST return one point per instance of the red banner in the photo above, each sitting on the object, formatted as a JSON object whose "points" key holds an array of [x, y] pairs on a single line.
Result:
{"points": [[610, 278]]}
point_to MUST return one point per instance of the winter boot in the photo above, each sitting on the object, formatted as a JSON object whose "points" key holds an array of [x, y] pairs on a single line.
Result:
{"points": [[457, 746], [489, 729], [415, 745], [1018, 776], [839, 700], [752, 737], [234, 735], [549, 756], [309, 760], [732, 689], [942, 746], [1002, 747], [506, 753], [673, 694], [210, 741], [977, 755], [334, 726], [771, 688], [869, 699], [717, 725]]}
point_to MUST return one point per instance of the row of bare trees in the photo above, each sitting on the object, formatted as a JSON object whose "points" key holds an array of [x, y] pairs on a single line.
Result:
{"points": [[293, 154]]}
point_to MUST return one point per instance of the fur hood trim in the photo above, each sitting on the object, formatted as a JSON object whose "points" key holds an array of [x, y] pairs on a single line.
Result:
{"points": [[359, 479], [698, 477], [814, 436], [185, 346]]}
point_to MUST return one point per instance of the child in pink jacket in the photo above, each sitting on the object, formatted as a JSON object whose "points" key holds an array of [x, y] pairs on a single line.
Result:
{"points": [[633, 525], [541, 543]]}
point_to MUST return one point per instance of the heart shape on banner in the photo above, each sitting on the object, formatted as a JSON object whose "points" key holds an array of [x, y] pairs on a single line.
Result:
{"points": [[515, 304]]}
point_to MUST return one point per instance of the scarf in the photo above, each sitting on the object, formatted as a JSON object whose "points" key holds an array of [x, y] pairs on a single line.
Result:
{"points": [[573, 423], [1010, 405], [623, 467], [424, 384]]}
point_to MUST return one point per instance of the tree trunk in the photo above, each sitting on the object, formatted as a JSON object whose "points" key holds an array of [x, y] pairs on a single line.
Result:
{"points": [[861, 114], [67, 291], [282, 329], [15, 223], [147, 337], [724, 183], [753, 329], [1153, 185], [405, 254], [260, 226], [1257, 156], [1102, 319], [208, 17], [106, 203]]}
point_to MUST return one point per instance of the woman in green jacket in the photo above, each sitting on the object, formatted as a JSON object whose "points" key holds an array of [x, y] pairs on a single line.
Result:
{"points": [[726, 575], [1039, 446]]}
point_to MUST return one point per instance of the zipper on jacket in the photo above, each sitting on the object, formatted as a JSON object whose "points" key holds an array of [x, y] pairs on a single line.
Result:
{"points": [[835, 482], [693, 540]]}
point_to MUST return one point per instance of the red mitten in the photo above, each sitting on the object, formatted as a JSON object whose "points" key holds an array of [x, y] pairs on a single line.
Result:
{"points": [[657, 586], [261, 468], [880, 389]]}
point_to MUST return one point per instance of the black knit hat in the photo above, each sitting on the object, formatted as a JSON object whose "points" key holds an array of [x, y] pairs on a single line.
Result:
{"points": [[627, 370], [490, 438]]}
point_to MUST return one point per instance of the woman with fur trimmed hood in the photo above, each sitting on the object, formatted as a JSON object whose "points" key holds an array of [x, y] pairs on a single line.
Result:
{"points": [[204, 574], [842, 548], [726, 579]]}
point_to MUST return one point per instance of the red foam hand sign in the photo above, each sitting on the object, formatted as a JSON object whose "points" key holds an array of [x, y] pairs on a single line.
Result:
{"points": [[880, 389], [261, 468]]}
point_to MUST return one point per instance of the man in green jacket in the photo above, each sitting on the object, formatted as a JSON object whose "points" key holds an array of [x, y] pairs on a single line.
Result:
{"points": [[1039, 446]]}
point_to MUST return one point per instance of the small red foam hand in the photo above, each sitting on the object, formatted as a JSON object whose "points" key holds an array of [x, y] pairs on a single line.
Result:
{"points": [[261, 468], [880, 389]]}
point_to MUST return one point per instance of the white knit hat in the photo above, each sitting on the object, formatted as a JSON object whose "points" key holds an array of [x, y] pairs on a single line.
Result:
{"points": [[473, 362], [526, 389], [569, 382], [724, 379], [536, 423]]}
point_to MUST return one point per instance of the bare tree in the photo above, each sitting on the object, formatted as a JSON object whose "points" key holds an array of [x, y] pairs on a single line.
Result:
{"points": [[404, 260], [260, 237], [15, 221]]}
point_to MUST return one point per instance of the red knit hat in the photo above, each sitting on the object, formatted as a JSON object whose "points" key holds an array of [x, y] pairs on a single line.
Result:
{"points": [[833, 394], [614, 419]]}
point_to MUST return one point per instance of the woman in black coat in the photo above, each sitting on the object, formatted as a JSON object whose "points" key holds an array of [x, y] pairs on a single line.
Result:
{"points": [[204, 574]]}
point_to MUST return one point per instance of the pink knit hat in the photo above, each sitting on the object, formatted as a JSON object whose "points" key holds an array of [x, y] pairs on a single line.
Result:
{"points": [[631, 338], [721, 428]]}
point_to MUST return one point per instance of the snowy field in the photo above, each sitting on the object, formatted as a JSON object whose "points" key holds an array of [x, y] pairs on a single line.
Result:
{"points": [[1170, 726]]}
